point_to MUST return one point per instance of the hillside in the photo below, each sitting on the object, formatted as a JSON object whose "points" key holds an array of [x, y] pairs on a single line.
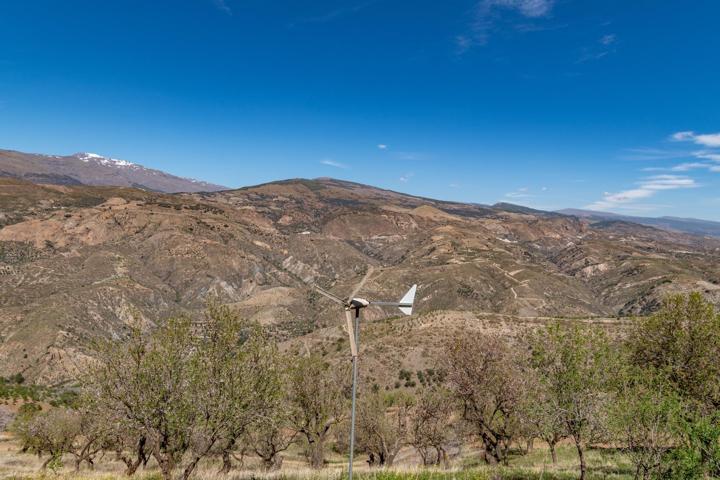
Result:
{"points": [[82, 262], [93, 169]]}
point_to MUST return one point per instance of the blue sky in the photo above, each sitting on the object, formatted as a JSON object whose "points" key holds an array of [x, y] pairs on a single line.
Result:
{"points": [[610, 105]]}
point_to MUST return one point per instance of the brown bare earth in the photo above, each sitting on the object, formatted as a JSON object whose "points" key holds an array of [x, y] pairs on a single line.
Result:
{"points": [[79, 263]]}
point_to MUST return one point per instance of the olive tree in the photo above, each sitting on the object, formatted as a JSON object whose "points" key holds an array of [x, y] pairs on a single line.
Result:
{"points": [[237, 381], [183, 389], [541, 418], [431, 428], [382, 427], [679, 346], [486, 374], [644, 418], [681, 342], [575, 366], [269, 437], [317, 401], [272, 432]]}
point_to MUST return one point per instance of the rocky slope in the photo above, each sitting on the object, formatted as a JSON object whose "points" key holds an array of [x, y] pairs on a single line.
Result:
{"points": [[78, 263], [93, 169]]}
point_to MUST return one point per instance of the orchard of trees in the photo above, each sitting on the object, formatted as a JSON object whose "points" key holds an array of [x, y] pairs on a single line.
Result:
{"points": [[178, 395]]}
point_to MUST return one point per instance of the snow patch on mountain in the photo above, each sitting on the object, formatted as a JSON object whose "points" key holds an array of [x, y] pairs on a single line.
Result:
{"points": [[107, 161]]}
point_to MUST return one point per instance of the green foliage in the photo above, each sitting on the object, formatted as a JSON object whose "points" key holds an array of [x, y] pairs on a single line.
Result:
{"points": [[576, 367], [15, 388], [317, 402], [644, 417], [679, 347], [698, 456], [184, 391], [681, 342]]}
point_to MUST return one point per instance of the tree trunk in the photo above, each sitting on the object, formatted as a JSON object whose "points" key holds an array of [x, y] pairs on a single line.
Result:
{"points": [[553, 453], [190, 468], [316, 453], [581, 455], [166, 467], [273, 462], [133, 465], [529, 445], [491, 446], [442, 457], [226, 461]]}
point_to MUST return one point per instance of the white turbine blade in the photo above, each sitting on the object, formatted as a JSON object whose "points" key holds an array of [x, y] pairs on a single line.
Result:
{"points": [[406, 302], [351, 332], [328, 295], [362, 283]]}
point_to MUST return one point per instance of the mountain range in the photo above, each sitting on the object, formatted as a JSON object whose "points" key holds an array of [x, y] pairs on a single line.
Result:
{"points": [[94, 169], [81, 262], [687, 225], [89, 244]]}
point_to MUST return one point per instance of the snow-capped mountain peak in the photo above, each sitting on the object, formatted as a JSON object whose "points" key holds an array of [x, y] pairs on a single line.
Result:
{"points": [[107, 161], [86, 168]]}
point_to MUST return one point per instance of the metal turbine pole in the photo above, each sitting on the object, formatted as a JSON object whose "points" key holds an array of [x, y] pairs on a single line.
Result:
{"points": [[354, 392]]}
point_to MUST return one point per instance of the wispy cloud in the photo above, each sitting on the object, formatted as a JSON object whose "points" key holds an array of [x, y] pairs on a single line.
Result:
{"points": [[382, 146], [333, 163], [488, 12], [222, 6], [519, 193], [705, 139], [406, 178], [706, 159], [646, 188], [408, 155], [602, 48], [608, 39], [714, 156], [336, 13], [654, 154]]}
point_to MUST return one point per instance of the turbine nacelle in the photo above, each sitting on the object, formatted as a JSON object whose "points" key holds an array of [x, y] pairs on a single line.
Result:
{"points": [[358, 303]]}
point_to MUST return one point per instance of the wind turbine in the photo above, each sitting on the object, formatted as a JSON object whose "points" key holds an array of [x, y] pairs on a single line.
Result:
{"points": [[352, 306]]}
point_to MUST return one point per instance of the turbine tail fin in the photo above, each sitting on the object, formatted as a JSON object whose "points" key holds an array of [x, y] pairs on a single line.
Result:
{"points": [[406, 302]]}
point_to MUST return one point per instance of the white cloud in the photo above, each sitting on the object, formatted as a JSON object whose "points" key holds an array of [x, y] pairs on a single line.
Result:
{"points": [[684, 167], [519, 193], [485, 16], [708, 155], [604, 48], [382, 146], [454, 185], [408, 155], [463, 43], [608, 39], [528, 8], [653, 154], [333, 163], [706, 139], [222, 6], [646, 188], [406, 178]]}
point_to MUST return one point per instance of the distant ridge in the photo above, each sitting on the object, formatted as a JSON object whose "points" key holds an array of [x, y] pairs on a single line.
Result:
{"points": [[693, 226], [95, 170]]}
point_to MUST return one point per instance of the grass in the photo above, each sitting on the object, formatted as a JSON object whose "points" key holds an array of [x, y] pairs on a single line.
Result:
{"points": [[602, 464]]}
